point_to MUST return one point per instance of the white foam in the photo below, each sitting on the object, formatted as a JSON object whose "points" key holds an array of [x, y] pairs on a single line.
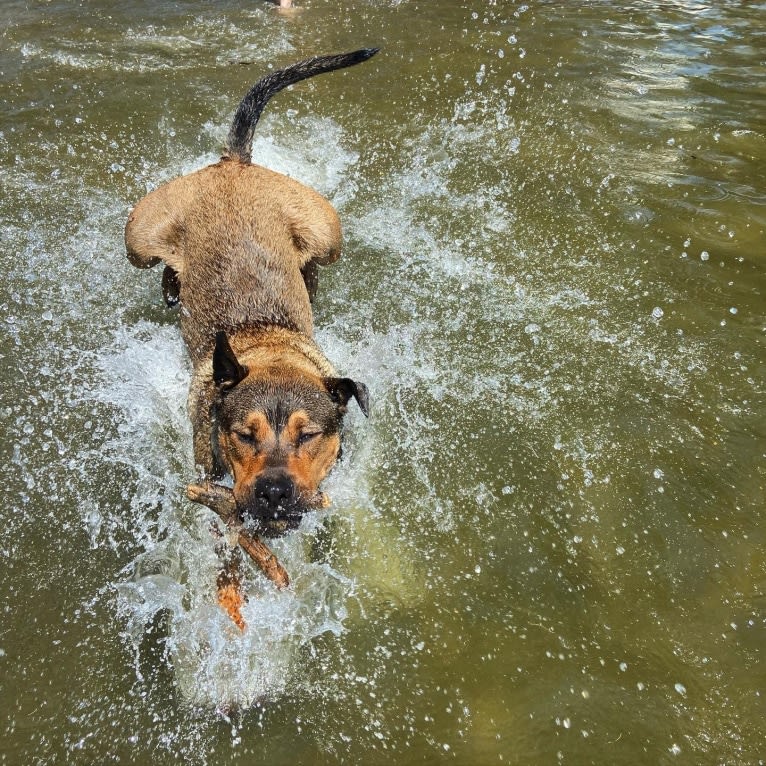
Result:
{"points": [[145, 378]]}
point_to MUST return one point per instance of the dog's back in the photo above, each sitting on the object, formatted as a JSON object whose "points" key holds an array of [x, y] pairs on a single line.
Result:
{"points": [[238, 237]]}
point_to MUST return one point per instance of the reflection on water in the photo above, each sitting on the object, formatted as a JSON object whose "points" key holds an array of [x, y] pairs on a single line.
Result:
{"points": [[547, 543]]}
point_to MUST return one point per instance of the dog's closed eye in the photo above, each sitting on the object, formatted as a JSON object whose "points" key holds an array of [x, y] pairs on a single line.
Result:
{"points": [[246, 437], [307, 436]]}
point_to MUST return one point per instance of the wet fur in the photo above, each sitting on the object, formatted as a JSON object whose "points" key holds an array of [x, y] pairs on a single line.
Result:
{"points": [[241, 245]]}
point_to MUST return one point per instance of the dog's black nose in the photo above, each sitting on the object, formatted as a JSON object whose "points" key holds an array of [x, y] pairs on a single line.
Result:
{"points": [[274, 492]]}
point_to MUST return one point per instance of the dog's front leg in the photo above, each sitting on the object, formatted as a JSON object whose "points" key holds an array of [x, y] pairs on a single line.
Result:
{"points": [[229, 583]]}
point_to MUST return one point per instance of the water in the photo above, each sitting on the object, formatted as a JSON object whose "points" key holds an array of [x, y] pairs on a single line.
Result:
{"points": [[546, 546]]}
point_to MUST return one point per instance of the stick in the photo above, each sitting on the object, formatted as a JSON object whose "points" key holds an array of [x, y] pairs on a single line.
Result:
{"points": [[221, 500], [263, 556]]}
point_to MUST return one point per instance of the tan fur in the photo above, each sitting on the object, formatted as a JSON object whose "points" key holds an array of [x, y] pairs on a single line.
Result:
{"points": [[226, 227], [310, 466], [241, 245], [306, 463]]}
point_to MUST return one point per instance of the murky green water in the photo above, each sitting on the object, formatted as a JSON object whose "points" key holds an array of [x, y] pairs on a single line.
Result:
{"points": [[547, 545]]}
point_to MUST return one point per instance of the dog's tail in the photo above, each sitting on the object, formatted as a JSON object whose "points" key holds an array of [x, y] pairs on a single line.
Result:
{"points": [[240, 138]]}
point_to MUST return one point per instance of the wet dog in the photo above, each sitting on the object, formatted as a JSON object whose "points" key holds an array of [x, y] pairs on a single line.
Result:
{"points": [[241, 246]]}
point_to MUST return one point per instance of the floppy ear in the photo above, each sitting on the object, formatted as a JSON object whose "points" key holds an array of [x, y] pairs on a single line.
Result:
{"points": [[227, 371], [342, 389]]}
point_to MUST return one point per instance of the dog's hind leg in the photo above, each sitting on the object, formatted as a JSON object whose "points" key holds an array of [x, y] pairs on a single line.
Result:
{"points": [[310, 273], [155, 233], [315, 233], [171, 287], [314, 227]]}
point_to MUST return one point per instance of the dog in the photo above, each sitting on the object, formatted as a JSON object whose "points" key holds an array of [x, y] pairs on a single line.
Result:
{"points": [[241, 246]]}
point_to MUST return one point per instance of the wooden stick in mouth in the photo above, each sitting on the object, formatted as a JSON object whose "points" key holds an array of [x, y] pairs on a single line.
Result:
{"points": [[221, 500]]}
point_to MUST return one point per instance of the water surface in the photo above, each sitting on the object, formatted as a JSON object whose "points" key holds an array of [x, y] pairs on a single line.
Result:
{"points": [[547, 544]]}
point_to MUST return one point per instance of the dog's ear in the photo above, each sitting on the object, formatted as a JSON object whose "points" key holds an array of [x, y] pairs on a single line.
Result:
{"points": [[342, 389], [227, 371]]}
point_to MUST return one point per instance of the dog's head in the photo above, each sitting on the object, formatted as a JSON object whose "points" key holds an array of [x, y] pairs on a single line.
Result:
{"points": [[278, 434]]}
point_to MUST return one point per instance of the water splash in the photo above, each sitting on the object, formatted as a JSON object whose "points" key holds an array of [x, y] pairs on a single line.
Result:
{"points": [[144, 378], [215, 665]]}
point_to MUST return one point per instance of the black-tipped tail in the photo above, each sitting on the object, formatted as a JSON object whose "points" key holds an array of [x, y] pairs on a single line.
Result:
{"points": [[240, 139]]}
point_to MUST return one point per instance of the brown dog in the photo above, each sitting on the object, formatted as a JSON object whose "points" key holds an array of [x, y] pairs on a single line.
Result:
{"points": [[241, 245]]}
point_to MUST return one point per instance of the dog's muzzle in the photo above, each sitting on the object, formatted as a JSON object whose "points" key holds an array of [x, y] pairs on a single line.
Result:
{"points": [[274, 506]]}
